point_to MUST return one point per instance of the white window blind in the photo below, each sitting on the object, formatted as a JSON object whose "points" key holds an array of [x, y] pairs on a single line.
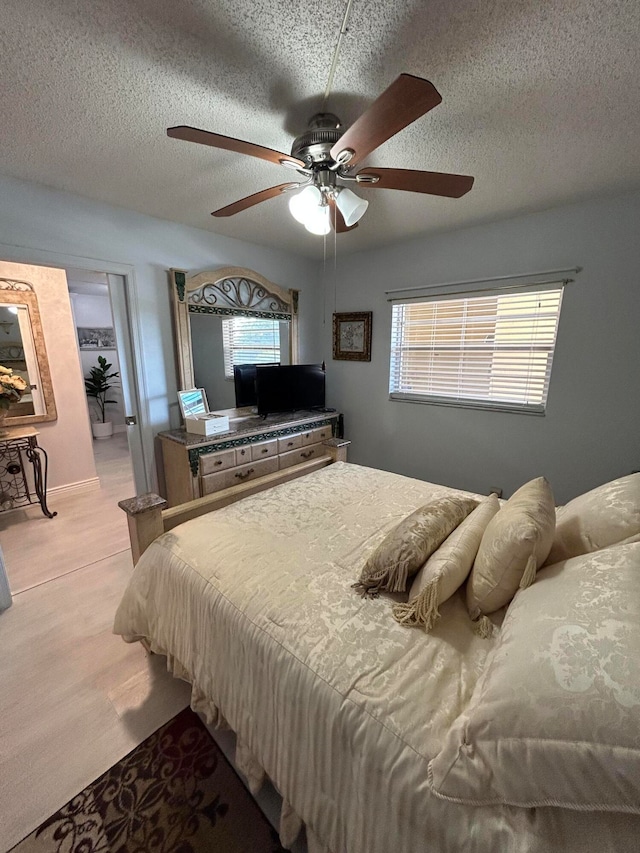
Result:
{"points": [[249, 340], [487, 350]]}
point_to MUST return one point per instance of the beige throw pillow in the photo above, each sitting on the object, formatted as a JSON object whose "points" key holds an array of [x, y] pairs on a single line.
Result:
{"points": [[446, 569], [555, 718], [607, 515], [407, 546], [515, 543]]}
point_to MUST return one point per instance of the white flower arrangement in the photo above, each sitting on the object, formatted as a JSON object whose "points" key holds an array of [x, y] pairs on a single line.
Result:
{"points": [[12, 387]]}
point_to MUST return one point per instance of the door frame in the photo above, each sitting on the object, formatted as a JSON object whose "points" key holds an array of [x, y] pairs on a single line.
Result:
{"points": [[142, 464]]}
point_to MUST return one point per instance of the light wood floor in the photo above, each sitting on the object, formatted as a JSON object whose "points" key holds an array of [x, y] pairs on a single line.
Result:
{"points": [[74, 698]]}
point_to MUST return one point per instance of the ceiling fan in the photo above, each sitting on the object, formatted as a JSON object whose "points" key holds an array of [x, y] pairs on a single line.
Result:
{"points": [[325, 156]]}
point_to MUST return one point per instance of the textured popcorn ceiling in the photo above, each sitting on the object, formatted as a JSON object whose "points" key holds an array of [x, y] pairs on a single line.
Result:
{"points": [[541, 103]]}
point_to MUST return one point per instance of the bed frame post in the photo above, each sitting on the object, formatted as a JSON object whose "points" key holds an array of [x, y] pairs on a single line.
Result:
{"points": [[144, 517], [337, 448]]}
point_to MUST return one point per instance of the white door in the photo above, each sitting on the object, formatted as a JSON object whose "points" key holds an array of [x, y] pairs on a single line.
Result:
{"points": [[118, 296]]}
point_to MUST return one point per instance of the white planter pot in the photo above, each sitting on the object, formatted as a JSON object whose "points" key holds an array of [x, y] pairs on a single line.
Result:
{"points": [[101, 430]]}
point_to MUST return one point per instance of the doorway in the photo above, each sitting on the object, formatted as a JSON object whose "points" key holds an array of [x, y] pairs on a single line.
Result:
{"points": [[128, 329], [92, 296]]}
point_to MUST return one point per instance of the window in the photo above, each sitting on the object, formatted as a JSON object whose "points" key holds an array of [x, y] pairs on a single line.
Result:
{"points": [[490, 351], [250, 340]]}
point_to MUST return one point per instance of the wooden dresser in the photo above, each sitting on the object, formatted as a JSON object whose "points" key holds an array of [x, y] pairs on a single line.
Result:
{"points": [[195, 466]]}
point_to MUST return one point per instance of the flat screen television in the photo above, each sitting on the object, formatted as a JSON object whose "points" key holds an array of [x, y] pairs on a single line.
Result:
{"points": [[244, 381], [289, 387]]}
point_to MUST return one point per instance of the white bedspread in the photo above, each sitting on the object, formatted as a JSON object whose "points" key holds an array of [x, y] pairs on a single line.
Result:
{"points": [[341, 706]]}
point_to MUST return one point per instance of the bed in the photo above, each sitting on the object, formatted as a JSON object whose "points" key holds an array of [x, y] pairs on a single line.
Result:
{"points": [[366, 726]]}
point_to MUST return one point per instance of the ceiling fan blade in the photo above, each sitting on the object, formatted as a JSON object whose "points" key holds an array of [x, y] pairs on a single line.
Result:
{"points": [[256, 198], [337, 219], [406, 99], [415, 181], [217, 140]]}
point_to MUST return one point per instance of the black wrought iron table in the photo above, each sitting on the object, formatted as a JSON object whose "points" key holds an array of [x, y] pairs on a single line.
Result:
{"points": [[20, 485]]}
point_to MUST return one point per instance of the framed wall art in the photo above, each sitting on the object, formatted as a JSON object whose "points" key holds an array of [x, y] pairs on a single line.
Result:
{"points": [[352, 336], [102, 338]]}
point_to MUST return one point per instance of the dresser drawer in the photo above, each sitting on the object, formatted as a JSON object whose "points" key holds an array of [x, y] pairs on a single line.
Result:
{"points": [[293, 457], [241, 474], [264, 450], [210, 462], [313, 436], [243, 454], [289, 442]]}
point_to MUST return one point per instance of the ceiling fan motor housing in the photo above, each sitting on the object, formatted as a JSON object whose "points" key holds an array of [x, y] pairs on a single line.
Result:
{"points": [[315, 144]]}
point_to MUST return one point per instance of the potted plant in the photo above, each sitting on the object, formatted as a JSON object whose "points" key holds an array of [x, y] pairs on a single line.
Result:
{"points": [[97, 385]]}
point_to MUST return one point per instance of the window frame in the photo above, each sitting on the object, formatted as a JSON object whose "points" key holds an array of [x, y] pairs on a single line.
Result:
{"points": [[447, 295]]}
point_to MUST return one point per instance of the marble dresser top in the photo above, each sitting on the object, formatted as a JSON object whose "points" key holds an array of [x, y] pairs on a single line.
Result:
{"points": [[244, 425]]}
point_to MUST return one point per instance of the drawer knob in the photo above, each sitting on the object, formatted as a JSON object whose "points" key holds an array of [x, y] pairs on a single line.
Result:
{"points": [[243, 476], [218, 462], [289, 444], [264, 450], [306, 454]]}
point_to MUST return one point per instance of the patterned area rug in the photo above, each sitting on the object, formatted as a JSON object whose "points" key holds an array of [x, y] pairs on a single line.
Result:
{"points": [[175, 793]]}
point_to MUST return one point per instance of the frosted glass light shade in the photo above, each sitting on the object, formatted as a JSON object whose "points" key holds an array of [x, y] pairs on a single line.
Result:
{"points": [[304, 204], [351, 206], [319, 221]]}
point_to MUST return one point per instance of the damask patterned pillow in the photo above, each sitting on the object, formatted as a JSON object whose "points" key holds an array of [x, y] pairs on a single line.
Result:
{"points": [[555, 718], [407, 546], [605, 516], [446, 569], [514, 546]]}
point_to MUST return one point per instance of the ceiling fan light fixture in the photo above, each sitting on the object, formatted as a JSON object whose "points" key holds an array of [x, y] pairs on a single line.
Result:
{"points": [[319, 222], [351, 206], [304, 204]]}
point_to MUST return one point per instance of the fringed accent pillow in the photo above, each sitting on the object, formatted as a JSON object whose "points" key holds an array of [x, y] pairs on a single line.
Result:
{"points": [[407, 546], [446, 569], [515, 543]]}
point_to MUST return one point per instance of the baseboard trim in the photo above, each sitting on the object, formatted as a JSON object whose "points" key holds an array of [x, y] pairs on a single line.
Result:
{"points": [[90, 485]]}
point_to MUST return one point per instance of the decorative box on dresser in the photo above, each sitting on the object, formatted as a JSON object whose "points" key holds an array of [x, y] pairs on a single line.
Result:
{"points": [[195, 466]]}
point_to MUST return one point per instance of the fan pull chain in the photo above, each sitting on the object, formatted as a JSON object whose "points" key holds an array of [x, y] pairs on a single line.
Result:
{"points": [[324, 280], [334, 63], [335, 270]]}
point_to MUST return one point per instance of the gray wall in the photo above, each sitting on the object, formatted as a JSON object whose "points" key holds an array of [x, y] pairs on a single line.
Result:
{"points": [[591, 431]]}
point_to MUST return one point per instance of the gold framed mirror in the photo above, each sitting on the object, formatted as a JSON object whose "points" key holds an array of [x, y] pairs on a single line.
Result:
{"points": [[23, 351], [203, 302]]}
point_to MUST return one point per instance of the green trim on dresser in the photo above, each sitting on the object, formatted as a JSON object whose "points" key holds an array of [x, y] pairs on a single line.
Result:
{"points": [[196, 452]]}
